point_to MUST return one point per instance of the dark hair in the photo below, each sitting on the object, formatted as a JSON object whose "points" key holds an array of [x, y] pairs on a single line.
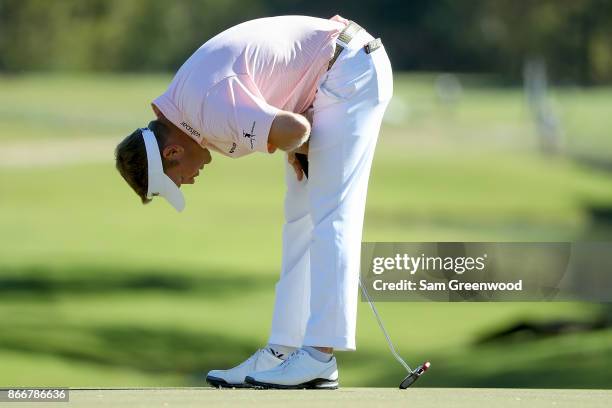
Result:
{"points": [[131, 157]]}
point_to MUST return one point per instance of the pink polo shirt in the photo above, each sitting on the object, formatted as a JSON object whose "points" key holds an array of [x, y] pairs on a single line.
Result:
{"points": [[226, 95]]}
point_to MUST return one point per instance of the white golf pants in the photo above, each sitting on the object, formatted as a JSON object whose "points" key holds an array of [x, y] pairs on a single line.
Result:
{"points": [[316, 296]]}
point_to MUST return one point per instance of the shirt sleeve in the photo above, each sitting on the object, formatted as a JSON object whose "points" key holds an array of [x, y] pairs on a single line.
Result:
{"points": [[235, 111]]}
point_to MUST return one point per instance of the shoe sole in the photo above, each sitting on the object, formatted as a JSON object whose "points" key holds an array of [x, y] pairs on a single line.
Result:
{"points": [[221, 383], [316, 384]]}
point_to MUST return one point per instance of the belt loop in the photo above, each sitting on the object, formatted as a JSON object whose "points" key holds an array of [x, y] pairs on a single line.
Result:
{"points": [[337, 50], [345, 37], [349, 32]]}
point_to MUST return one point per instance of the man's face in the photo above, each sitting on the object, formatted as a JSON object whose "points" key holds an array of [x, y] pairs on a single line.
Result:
{"points": [[188, 158]]}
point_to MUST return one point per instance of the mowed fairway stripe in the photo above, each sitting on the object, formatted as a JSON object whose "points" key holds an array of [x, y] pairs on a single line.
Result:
{"points": [[353, 397], [52, 152]]}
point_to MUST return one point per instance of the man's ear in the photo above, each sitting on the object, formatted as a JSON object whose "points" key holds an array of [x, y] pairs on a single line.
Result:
{"points": [[157, 111], [173, 152]]}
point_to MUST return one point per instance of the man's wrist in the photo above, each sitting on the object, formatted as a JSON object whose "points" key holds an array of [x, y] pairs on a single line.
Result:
{"points": [[303, 148]]}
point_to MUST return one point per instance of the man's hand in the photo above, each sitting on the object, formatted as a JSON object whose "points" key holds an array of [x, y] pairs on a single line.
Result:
{"points": [[297, 167], [293, 161], [301, 148]]}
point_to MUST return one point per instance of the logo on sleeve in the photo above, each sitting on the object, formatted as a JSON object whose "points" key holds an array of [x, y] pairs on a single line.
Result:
{"points": [[251, 135], [190, 129]]}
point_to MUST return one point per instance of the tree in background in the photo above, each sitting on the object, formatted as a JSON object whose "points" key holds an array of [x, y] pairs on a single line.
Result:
{"points": [[572, 37], [493, 36]]}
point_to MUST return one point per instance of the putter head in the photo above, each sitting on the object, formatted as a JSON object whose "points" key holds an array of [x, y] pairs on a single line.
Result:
{"points": [[411, 378]]}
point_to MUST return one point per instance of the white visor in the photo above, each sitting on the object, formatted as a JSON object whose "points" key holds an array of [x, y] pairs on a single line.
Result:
{"points": [[159, 182]]}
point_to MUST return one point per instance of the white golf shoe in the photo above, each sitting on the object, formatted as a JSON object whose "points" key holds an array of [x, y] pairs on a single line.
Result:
{"points": [[299, 371], [262, 359]]}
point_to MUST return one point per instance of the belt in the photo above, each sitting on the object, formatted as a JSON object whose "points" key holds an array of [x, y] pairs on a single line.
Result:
{"points": [[346, 36]]}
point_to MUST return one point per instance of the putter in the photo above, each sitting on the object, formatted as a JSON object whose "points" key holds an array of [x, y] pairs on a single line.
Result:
{"points": [[413, 375]]}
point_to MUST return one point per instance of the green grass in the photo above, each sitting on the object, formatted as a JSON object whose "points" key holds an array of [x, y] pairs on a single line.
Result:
{"points": [[354, 397], [74, 106], [96, 290]]}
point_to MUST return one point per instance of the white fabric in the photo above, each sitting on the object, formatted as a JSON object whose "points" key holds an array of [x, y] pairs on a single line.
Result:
{"points": [[317, 354], [158, 182], [316, 296], [298, 369], [261, 360], [227, 94]]}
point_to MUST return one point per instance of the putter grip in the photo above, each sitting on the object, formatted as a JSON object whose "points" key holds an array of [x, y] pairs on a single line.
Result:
{"points": [[303, 159]]}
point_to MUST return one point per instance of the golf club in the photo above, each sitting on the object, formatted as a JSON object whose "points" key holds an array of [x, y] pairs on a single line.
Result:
{"points": [[413, 375]]}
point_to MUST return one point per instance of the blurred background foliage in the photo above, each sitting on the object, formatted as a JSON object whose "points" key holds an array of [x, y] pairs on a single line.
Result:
{"points": [[493, 36], [499, 130]]}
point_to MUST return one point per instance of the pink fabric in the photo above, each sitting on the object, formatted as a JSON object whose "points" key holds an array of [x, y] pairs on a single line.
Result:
{"points": [[226, 95]]}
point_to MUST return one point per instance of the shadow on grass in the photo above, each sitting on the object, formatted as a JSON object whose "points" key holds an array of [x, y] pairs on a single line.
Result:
{"points": [[566, 361], [182, 351], [548, 363], [84, 279], [156, 351]]}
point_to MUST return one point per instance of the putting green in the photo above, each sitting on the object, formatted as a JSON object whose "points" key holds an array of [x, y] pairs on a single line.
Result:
{"points": [[353, 397]]}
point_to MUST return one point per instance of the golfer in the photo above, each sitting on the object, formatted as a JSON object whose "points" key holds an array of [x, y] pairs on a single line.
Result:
{"points": [[303, 85]]}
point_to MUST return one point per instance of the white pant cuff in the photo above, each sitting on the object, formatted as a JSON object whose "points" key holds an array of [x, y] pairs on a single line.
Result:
{"points": [[285, 340], [338, 343]]}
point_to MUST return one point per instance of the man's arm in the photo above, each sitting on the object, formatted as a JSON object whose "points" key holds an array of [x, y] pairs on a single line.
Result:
{"points": [[289, 131], [292, 131]]}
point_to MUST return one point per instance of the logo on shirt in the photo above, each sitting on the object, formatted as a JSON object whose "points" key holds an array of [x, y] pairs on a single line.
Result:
{"points": [[190, 129], [233, 149], [251, 135]]}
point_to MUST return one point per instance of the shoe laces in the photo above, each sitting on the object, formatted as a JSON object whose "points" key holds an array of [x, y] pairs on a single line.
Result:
{"points": [[292, 357]]}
